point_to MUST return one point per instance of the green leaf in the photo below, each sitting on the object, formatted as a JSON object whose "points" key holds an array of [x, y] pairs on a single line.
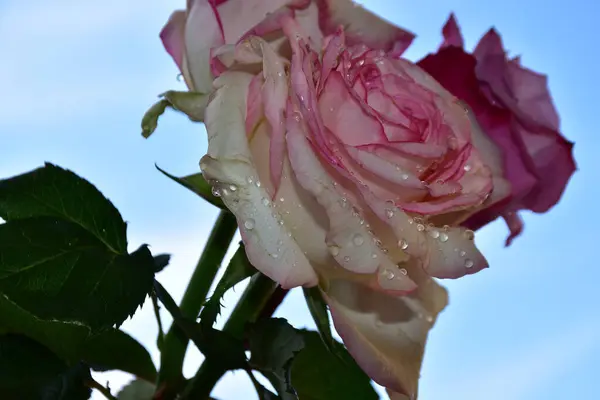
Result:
{"points": [[263, 393], [239, 268], [56, 192], [219, 346], [273, 345], [150, 118], [317, 374], [26, 367], [197, 184], [30, 371], [57, 279], [69, 386], [192, 104], [318, 309], [115, 349], [137, 390], [161, 261]]}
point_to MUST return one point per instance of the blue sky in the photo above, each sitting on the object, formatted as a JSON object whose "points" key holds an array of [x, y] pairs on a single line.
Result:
{"points": [[77, 77]]}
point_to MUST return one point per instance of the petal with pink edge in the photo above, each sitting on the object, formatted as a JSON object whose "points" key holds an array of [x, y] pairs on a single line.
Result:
{"points": [[229, 166], [362, 26], [349, 240]]}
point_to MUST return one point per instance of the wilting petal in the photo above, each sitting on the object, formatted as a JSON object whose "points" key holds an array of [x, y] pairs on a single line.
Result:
{"points": [[362, 26], [386, 335], [229, 166]]}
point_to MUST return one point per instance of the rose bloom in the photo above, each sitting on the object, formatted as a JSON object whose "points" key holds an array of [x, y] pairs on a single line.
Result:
{"points": [[514, 107], [346, 166]]}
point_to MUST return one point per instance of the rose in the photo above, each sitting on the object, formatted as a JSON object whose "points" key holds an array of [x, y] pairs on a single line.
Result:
{"points": [[514, 107], [345, 165]]}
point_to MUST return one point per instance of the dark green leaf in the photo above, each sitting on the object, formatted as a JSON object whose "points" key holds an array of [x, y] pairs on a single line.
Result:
{"points": [[137, 390], [161, 261], [317, 374], [53, 270], [273, 344], [223, 348], [70, 385], [56, 192], [26, 367], [114, 349], [239, 268], [263, 393], [197, 184], [318, 309]]}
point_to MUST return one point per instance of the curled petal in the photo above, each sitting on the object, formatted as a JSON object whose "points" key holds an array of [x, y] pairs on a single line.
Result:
{"points": [[386, 335], [349, 241], [229, 166], [362, 26]]}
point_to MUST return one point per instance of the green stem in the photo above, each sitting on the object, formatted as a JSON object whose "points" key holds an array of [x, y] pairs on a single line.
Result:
{"points": [[247, 310], [175, 341]]}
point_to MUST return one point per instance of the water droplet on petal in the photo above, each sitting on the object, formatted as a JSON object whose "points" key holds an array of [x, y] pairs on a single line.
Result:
{"points": [[265, 201], [216, 191], [467, 167], [462, 253], [388, 274], [373, 255], [469, 263], [434, 233], [403, 244], [443, 237], [389, 213], [469, 234], [404, 177], [334, 250], [233, 188], [403, 271], [347, 258], [249, 180], [358, 239], [420, 227], [249, 224], [281, 199], [258, 184]]}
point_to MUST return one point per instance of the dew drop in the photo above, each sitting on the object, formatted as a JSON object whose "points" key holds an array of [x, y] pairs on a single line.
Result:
{"points": [[358, 239], [462, 253], [389, 213], [233, 188], [388, 274], [403, 271], [334, 250], [249, 224], [434, 233], [403, 244], [347, 258], [420, 227], [274, 255], [468, 263], [429, 318], [443, 237], [373, 256], [281, 199], [216, 191], [249, 180], [404, 177], [257, 184], [469, 234], [265, 201], [467, 167]]}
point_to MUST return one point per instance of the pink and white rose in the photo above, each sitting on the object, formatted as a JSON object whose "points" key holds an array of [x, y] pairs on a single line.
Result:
{"points": [[346, 165]]}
